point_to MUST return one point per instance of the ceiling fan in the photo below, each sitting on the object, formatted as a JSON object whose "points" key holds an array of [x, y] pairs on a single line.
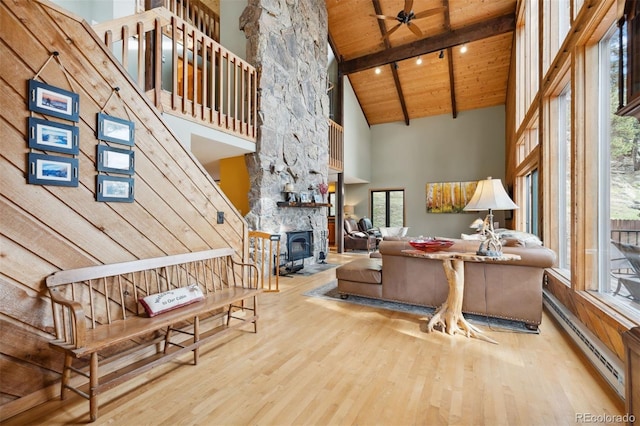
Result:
{"points": [[406, 15]]}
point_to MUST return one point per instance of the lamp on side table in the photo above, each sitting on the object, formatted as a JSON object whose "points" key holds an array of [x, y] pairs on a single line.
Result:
{"points": [[490, 195]]}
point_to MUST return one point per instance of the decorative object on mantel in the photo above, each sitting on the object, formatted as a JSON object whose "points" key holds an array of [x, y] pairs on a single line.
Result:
{"points": [[490, 195], [323, 188]]}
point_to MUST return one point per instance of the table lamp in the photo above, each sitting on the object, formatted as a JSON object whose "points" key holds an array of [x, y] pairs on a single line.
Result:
{"points": [[490, 195], [349, 210]]}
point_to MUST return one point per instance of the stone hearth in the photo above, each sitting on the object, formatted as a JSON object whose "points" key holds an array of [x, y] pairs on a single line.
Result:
{"points": [[287, 42]]}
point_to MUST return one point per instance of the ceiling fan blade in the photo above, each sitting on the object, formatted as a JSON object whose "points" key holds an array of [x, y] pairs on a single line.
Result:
{"points": [[414, 28], [408, 5], [428, 12], [391, 18], [391, 31]]}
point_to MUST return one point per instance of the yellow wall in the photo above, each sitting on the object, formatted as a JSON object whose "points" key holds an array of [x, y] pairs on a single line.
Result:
{"points": [[234, 182]]}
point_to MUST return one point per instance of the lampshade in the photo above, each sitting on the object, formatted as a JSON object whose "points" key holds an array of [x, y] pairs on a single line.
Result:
{"points": [[349, 210], [490, 195]]}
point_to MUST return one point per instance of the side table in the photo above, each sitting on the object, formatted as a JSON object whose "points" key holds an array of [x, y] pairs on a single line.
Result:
{"points": [[449, 314]]}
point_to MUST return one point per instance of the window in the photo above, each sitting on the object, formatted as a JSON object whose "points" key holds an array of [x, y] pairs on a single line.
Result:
{"points": [[531, 203], [387, 207], [618, 175], [565, 183]]}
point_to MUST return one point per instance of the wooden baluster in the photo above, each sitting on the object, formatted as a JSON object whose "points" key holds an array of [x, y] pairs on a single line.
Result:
{"points": [[174, 65], [141, 52], [157, 79], [125, 47]]}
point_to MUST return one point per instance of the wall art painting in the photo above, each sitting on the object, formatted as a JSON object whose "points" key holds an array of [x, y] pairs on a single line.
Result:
{"points": [[114, 189], [115, 160], [53, 101], [52, 170], [449, 197], [114, 129], [49, 135]]}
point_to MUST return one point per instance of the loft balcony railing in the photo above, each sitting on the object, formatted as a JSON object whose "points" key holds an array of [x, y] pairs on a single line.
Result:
{"points": [[197, 14], [188, 74], [336, 146], [185, 72]]}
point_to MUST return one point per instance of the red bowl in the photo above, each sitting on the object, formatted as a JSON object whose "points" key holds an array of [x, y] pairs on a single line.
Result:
{"points": [[431, 244]]}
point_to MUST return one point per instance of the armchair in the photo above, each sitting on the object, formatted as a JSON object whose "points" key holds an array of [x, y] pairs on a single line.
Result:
{"points": [[357, 240], [365, 225]]}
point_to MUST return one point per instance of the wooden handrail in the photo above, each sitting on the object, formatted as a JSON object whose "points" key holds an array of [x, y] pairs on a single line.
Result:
{"points": [[336, 146], [209, 84]]}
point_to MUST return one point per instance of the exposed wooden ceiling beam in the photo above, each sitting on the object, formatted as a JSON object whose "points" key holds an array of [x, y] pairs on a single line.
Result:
{"points": [[452, 84], [394, 69], [468, 34]]}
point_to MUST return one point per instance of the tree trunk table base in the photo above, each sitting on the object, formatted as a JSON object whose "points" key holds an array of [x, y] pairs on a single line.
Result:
{"points": [[448, 317]]}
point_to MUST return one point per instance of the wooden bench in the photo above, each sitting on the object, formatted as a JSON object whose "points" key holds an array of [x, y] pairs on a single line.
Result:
{"points": [[96, 312]]}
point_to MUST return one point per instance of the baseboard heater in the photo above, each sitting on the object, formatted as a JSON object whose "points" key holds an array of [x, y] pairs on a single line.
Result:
{"points": [[602, 358]]}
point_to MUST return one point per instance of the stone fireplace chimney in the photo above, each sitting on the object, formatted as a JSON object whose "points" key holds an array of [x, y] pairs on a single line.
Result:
{"points": [[287, 43]]}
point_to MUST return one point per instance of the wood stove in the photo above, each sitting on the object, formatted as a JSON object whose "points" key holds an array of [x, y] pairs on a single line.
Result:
{"points": [[299, 245]]}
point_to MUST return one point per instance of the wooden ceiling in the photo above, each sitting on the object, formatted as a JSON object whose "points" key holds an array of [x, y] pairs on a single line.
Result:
{"points": [[447, 81]]}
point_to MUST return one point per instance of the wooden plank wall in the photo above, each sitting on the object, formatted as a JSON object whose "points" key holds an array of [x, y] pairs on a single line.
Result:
{"points": [[47, 228]]}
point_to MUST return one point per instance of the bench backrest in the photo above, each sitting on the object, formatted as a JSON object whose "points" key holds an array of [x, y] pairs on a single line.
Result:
{"points": [[109, 293]]}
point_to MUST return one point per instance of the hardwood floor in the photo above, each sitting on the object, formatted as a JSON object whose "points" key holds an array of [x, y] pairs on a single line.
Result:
{"points": [[321, 362]]}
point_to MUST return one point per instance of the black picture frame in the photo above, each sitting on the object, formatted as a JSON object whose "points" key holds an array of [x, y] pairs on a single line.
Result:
{"points": [[52, 170], [114, 189], [115, 160], [47, 135], [114, 129], [53, 101]]}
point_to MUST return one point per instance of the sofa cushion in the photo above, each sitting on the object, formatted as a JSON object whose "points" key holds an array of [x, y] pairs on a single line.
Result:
{"points": [[365, 270]]}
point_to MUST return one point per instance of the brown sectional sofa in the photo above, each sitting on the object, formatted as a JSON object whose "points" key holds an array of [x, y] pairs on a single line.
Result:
{"points": [[510, 290]]}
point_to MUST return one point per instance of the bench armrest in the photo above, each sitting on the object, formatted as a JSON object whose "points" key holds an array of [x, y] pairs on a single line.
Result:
{"points": [[251, 271], [68, 319]]}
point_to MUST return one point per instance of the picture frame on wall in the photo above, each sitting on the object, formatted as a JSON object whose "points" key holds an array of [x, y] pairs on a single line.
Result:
{"points": [[115, 160], [114, 189], [49, 135], [53, 101], [114, 129], [52, 170]]}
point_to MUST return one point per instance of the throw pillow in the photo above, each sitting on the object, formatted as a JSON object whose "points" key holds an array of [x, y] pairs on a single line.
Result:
{"points": [[528, 240], [158, 303]]}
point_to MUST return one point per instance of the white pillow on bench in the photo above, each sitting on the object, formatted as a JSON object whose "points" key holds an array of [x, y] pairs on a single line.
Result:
{"points": [[158, 303]]}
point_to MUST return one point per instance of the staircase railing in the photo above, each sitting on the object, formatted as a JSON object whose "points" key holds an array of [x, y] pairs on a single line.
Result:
{"points": [[336, 146], [185, 72]]}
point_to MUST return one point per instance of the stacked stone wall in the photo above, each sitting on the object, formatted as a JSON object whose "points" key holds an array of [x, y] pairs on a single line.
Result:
{"points": [[287, 42]]}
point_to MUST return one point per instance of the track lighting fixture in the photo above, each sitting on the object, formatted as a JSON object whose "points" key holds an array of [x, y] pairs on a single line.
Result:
{"points": [[378, 70], [463, 49], [441, 55], [419, 60]]}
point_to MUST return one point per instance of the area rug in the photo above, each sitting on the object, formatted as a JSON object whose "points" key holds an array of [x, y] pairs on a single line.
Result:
{"points": [[330, 291], [315, 268]]}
